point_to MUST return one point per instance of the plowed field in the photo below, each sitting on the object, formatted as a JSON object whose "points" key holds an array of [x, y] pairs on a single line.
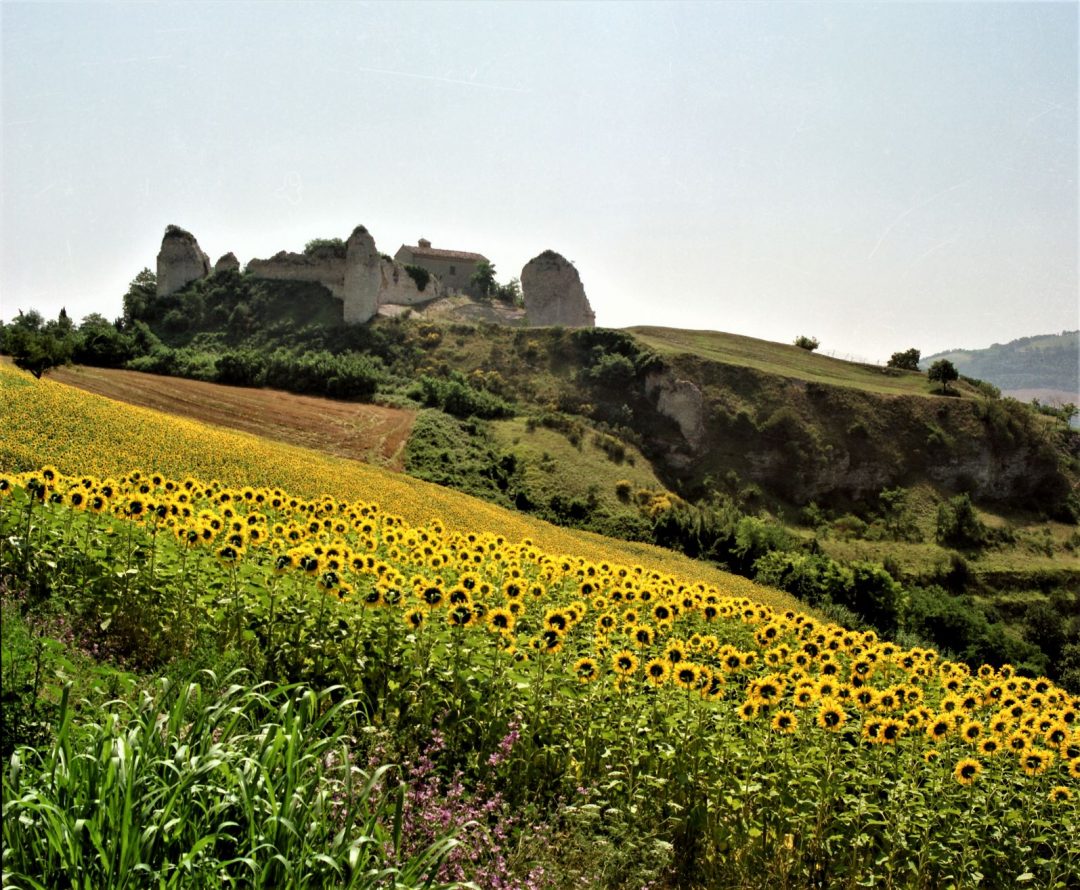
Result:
{"points": [[369, 433]]}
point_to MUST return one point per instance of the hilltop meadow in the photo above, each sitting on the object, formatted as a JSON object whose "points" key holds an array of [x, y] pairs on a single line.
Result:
{"points": [[237, 662]]}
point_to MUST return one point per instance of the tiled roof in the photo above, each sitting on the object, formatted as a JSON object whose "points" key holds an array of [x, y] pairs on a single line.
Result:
{"points": [[437, 254]]}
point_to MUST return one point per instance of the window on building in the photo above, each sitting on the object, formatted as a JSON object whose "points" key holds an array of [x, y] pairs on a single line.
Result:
{"points": [[453, 270]]}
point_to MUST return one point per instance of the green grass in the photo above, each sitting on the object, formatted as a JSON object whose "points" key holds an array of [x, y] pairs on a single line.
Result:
{"points": [[787, 361], [555, 466]]}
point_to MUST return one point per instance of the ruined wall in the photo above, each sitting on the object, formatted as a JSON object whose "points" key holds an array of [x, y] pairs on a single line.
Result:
{"points": [[399, 288], [323, 266]]}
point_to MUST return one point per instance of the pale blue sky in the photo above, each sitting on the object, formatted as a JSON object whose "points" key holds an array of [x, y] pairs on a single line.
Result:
{"points": [[878, 175]]}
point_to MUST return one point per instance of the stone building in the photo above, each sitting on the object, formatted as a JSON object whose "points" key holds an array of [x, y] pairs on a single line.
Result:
{"points": [[454, 268]]}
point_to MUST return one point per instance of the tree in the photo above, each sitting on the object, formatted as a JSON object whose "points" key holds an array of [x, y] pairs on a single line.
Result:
{"points": [[907, 360], [483, 282], [807, 343], [36, 345], [944, 372], [510, 293], [141, 293]]}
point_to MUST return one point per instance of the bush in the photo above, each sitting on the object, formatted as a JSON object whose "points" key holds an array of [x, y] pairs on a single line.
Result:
{"points": [[331, 245], [456, 396], [958, 525], [420, 275], [807, 343], [907, 360]]}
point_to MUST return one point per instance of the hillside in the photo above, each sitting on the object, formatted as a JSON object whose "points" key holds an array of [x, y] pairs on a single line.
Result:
{"points": [[1049, 364], [561, 717], [45, 422]]}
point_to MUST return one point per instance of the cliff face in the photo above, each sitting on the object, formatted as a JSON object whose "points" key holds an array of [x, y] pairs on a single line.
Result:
{"points": [[815, 442]]}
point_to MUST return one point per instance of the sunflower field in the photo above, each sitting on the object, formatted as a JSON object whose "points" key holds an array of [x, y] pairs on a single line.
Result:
{"points": [[228, 662], [678, 725]]}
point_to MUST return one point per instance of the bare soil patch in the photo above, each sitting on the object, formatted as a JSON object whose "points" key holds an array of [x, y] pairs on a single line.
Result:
{"points": [[368, 433]]}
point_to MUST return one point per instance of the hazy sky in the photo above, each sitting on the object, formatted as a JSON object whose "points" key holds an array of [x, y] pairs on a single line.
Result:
{"points": [[877, 175]]}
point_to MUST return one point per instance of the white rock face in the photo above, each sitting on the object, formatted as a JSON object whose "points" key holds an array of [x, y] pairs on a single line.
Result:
{"points": [[682, 402], [227, 263], [180, 261], [554, 294]]}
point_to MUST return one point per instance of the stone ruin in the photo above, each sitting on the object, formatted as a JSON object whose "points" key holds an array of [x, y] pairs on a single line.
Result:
{"points": [[180, 261], [364, 280], [357, 274], [554, 294]]}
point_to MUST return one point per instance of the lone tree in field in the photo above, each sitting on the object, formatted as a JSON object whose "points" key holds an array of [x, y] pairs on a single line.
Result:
{"points": [[807, 343], [907, 360], [944, 372]]}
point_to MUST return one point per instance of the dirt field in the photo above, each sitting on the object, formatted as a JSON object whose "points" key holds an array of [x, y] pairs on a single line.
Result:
{"points": [[363, 432]]}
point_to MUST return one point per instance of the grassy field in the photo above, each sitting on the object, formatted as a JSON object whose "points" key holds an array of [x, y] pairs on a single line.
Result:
{"points": [[555, 465], [787, 361]]}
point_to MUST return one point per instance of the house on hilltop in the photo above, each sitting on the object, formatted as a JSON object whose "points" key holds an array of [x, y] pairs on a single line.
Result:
{"points": [[454, 268]]}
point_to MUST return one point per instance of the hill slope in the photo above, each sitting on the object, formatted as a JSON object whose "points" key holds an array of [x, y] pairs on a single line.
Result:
{"points": [[44, 422], [1050, 362]]}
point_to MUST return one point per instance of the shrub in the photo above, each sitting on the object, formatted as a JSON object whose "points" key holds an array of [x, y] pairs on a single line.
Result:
{"points": [[907, 360], [456, 396], [958, 525], [807, 343], [420, 275], [331, 245]]}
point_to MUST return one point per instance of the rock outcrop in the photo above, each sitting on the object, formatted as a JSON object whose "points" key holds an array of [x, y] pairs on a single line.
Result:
{"points": [[682, 402], [553, 293], [180, 261], [227, 263]]}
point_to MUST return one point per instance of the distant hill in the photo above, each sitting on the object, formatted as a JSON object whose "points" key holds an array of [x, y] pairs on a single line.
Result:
{"points": [[1045, 367]]}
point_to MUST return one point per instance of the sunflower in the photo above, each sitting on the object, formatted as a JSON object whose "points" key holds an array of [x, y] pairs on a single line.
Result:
{"points": [[831, 716], [643, 636], [971, 731], [967, 770], [414, 618], [1036, 761], [1018, 742], [656, 671], [229, 554], [500, 620], [462, 616], [585, 670], [624, 663], [1059, 793], [748, 710], [686, 675], [785, 722], [989, 746], [890, 731], [938, 728], [930, 755]]}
